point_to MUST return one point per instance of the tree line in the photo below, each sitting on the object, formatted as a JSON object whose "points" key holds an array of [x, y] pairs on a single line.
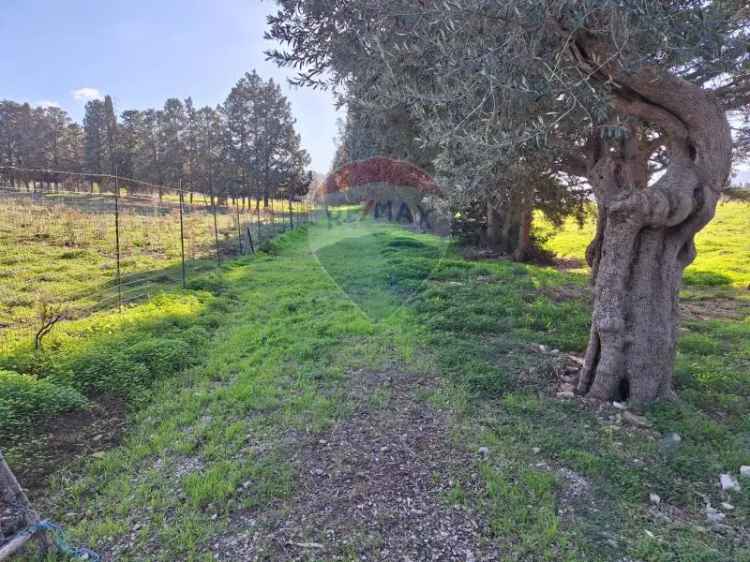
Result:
{"points": [[244, 147], [516, 104]]}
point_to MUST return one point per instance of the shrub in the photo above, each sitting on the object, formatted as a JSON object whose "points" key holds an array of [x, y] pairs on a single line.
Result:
{"points": [[107, 372], [24, 398], [162, 356], [269, 247], [129, 368], [116, 354], [211, 283]]}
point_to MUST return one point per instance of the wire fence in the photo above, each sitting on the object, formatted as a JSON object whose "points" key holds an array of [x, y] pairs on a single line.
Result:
{"points": [[73, 244]]}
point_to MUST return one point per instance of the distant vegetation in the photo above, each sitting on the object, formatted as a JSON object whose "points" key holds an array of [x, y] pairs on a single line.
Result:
{"points": [[247, 145]]}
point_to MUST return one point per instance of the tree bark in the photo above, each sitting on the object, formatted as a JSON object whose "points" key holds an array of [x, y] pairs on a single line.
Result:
{"points": [[645, 234], [521, 251], [509, 224], [493, 237]]}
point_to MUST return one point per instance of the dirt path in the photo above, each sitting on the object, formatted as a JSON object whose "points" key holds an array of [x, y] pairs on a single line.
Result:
{"points": [[373, 487]]}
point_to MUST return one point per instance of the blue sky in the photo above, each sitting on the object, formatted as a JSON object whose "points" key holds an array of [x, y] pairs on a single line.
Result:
{"points": [[142, 52]]}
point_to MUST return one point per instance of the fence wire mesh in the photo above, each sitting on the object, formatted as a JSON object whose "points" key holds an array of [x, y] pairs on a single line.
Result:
{"points": [[73, 244]]}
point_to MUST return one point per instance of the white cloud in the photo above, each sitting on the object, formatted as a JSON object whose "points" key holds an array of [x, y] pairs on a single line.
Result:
{"points": [[46, 103], [87, 94]]}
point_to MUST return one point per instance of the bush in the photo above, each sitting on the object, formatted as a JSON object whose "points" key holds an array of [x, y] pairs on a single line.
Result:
{"points": [[127, 368], [107, 371], [269, 247], [162, 356], [24, 398], [211, 283], [407, 243], [117, 354]]}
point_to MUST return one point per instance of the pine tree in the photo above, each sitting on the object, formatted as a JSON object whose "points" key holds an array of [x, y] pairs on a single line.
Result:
{"points": [[110, 129], [247, 145], [242, 111], [95, 135], [171, 122]]}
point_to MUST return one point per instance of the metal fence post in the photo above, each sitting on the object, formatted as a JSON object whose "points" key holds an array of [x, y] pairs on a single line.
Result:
{"points": [[216, 229], [291, 218], [250, 239], [117, 242], [239, 226], [257, 217], [182, 239]]}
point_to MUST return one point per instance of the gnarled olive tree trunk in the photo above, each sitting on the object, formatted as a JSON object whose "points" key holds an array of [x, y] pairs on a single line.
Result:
{"points": [[645, 232]]}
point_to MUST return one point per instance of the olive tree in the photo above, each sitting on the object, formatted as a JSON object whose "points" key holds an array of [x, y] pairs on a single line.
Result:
{"points": [[630, 96]]}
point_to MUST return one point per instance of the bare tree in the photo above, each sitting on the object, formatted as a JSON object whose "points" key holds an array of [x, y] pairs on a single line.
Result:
{"points": [[49, 314]]}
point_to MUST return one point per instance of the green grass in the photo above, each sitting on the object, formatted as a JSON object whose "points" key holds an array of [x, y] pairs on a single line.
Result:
{"points": [[276, 338], [24, 398], [107, 355], [723, 246], [60, 249], [478, 321]]}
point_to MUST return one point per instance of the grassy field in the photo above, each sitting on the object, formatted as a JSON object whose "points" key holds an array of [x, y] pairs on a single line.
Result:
{"points": [[59, 248], [723, 246], [239, 387]]}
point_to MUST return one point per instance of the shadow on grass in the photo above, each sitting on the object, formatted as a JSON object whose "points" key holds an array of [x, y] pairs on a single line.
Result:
{"points": [[694, 277], [478, 317], [123, 353]]}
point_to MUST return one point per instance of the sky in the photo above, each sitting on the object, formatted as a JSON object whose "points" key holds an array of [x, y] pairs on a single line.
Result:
{"points": [[65, 52]]}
